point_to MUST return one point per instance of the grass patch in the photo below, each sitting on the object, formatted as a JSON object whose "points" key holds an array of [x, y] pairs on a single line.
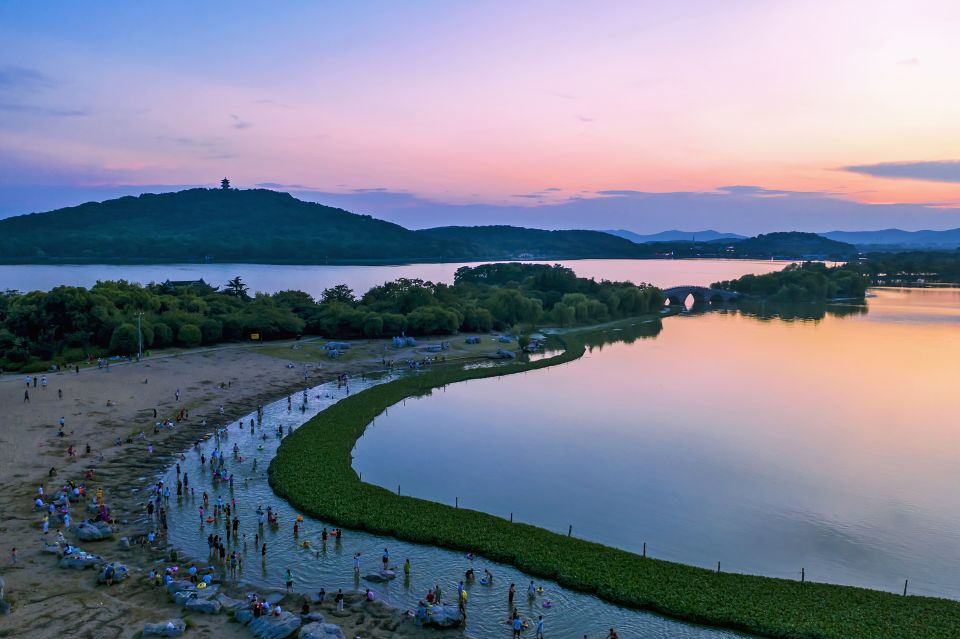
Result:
{"points": [[313, 471]]}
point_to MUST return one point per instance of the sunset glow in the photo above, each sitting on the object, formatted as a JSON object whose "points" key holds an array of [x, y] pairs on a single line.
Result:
{"points": [[509, 104]]}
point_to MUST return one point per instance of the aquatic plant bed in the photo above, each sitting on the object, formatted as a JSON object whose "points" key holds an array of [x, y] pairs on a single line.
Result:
{"points": [[313, 471]]}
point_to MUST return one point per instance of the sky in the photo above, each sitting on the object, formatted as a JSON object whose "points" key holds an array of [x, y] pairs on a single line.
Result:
{"points": [[741, 116]]}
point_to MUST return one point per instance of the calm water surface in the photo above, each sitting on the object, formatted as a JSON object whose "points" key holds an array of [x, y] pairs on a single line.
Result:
{"points": [[313, 279], [831, 445], [331, 566]]}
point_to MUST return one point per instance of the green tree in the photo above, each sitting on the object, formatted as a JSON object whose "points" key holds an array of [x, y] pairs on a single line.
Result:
{"points": [[236, 287], [225, 184], [189, 336], [124, 340]]}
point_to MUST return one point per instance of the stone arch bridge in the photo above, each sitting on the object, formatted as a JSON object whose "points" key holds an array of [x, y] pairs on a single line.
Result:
{"points": [[677, 295]]}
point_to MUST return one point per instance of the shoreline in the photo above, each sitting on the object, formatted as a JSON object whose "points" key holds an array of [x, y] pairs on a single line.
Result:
{"points": [[760, 605], [42, 595]]}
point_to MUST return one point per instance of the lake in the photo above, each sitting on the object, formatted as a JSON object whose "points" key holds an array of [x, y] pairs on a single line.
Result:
{"points": [[313, 279], [330, 565], [827, 442]]}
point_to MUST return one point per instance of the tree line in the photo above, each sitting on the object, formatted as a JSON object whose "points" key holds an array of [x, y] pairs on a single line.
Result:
{"points": [[71, 324], [806, 282]]}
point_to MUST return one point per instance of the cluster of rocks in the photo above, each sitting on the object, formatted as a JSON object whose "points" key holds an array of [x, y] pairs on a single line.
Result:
{"points": [[93, 530], [210, 600]]}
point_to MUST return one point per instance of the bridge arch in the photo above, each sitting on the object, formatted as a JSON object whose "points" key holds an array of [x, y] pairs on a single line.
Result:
{"points": [[678, 295]]}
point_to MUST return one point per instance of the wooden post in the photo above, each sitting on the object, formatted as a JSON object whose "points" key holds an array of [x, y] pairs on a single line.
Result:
{"points": [[511, 518], [644, 549], [398, 490], [456, 502], [718, 567], [570, 531], [803, 575], [905, 582], [361, 476]]}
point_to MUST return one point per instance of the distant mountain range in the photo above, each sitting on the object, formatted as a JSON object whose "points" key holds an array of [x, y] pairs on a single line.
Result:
{"points": [[887, 239], [271, 227], [895, 238], [676, 236]]}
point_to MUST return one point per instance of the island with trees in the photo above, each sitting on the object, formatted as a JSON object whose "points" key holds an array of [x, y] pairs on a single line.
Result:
{"points": [[806, 282], [69, 324]]}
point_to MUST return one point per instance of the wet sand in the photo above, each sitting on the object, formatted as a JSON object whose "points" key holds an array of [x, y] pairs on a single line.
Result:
{"points": [[48, 600]]}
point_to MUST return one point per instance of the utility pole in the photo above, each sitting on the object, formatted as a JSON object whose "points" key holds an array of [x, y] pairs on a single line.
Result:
{"points": [[139, 337]]}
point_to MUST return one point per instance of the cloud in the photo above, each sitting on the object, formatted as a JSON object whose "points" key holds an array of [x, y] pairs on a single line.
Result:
{"points": [[530, 196], [24, 78], [552, 189], [280, 186], [33, 109], [909, 62], [929, 171], [379, 189], [273, 103], [585, 118], [238, 123]]}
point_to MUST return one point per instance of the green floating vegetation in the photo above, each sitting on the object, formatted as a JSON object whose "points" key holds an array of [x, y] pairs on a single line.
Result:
{"points": [[313, 471]]}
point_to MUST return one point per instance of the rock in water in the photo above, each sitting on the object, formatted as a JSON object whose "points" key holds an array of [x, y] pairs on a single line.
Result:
{"points": [[380, 577], [444, 617], [171, 628], [318, 630]]}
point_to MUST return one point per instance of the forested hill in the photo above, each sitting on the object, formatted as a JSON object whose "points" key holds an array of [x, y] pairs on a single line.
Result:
{"points": [[262, 226], [197, 225]]}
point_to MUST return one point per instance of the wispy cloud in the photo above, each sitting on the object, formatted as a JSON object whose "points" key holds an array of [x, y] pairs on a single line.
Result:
{"points": [[238, 123], [586, 118], [909, 62], [33, 109], [269, 102], [25, 78], [928, 171]]}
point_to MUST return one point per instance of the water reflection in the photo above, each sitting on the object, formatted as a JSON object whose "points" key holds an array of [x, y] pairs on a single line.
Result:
{"points": [[330, 565], [814, 438]]}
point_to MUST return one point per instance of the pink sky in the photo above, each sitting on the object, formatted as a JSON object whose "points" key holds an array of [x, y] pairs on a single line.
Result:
{"points": [[478, 103]]}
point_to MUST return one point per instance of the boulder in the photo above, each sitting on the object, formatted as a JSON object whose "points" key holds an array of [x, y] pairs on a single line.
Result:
{"points": [[170, 628], [53, 549], [381, 576], [81, 561], [243, 615], [120, 572], [93, 530], [176, 586], [271, 627], [319, 630], [124, 543], [313, 617], [444, 617], [182, 597], [204, 606], [233, 605]]}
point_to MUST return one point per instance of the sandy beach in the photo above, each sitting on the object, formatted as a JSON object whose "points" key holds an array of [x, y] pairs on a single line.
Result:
{"points": [[100, 405]]}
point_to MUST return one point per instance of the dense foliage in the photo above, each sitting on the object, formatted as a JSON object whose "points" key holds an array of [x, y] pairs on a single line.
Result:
{"points": [[68, 324], [807, 282], [313, 471], [792, 244], [911, 267], [262, 226]]}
